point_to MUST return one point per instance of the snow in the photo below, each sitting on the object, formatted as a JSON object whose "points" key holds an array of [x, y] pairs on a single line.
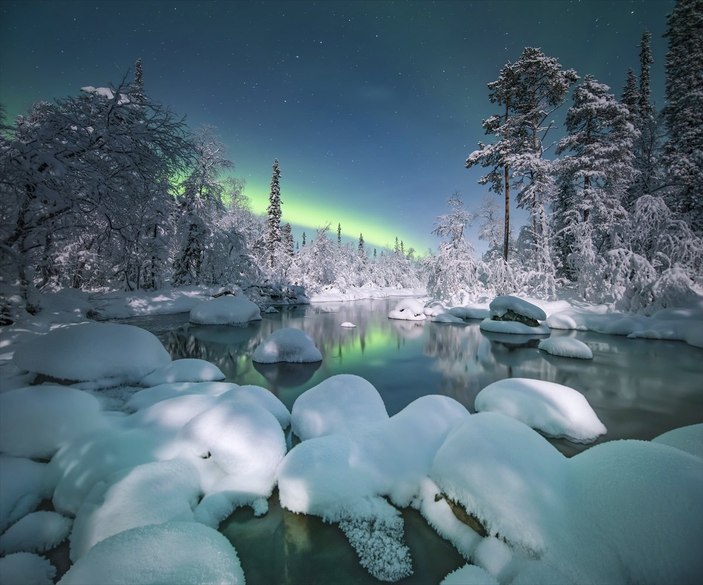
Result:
{"points": [[344, 403], [120, 305], [502, 304], [689, 439], [262, 397], [334, 294], [225, 310], [408, 310], [149, 396], [36, 532], [177, 553], [184, 370], [26, 569], [512, 328], [447, 318], [105, 353], [348, 325], [36, 421], [24, 484], [469, 575], [287, 345], [553, 409], [566, 347], [470, 312]]}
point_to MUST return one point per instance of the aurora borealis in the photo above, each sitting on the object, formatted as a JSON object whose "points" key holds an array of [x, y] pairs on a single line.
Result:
{"points": [[370, 107]]}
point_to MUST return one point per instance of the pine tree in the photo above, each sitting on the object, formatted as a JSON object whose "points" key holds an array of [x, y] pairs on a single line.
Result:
{"points": [[646, 108], [287, 239], [683, 112], [631, 95], [274, 215], [137, 92], [339, 234], [303, 237], [362, 252]]}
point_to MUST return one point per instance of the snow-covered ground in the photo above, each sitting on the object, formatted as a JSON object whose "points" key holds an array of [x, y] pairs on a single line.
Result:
{"points": [[140, 484]]}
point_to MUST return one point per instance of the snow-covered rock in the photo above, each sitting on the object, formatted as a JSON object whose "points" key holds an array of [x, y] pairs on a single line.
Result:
{"points": [[36, 421], [177, 553], [512, 327], [447, 318], [502, 305], [689, 439], [408, 310], [104, 353], [470, 312], [24, 484], [287, 345], [553, 409], [184, 370], [36, 532], [150, 396], [225, 310], [24, 568], [348, 325], [469, 575], [566, 347]]}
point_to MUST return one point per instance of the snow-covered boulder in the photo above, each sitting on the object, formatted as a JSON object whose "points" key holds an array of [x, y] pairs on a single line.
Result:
{"points": [[36, 532], [107, 354], [343, 404], [470, 312], [348, 325], [553, 409], [225, 310], [24, 568], [447, 318], [566, 347], [689, 439], [512, 327], [469, 575], [150, 396], [408, 310], [184, 370], [24, 484], [177, 553], [510, 308], [36, 421], [287, 345]]}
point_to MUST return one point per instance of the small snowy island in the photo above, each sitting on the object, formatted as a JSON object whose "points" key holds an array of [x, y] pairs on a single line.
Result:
{"points": [[513, 315]]}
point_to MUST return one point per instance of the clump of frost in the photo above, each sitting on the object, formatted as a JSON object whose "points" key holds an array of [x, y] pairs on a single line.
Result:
{"points": [[177, 553], [287, 345], [107, 354], [408, 310], [36, 532], [225, 310], [554, 409], [183, 370], [24, 568], [566, 347]]}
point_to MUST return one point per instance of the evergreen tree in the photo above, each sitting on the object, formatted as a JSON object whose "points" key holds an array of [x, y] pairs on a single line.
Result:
{"points": [[683, 112], [631, 95], [137, 92], [646, 108], [362, 252], [303, 237], [339, 234], [287, 238], [274, 215]]}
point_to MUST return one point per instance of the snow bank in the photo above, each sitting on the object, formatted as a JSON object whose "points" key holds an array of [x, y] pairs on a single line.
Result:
{"points": [[333, 294], [408, 310], [26, 569], [689, 439], [343, 403], [36, 532], [36, 421], [503, 304], [287, 345], [106, 353], [555, 410], [512, 327], [184, 370], [24, 484], [566, 347], [120, 305], [177, 553], [225, 310]]}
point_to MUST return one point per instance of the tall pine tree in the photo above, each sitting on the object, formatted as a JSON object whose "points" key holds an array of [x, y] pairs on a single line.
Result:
{"points": [[274, 215]]}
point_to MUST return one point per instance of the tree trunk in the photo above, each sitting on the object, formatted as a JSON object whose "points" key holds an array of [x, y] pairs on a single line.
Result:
{"points": [[506, 177]]}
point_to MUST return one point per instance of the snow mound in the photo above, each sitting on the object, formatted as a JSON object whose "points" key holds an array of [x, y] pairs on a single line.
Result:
{"points": [[447, 318], [225, 310], [261, 397], [555, 410], [469, 575], [566, 347], [287, 345], [36, 420], [26, 569], [689, 439], [106, 353], [348, 325], [408, 310], [150, 396], [36, 532], [470, 312], [184, 370], [24, 484], [177, 553], [343, 404], [512, 327], [502, 304]]}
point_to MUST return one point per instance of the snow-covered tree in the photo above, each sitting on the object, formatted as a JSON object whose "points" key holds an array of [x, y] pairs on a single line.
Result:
{"points": [[273, 213]]}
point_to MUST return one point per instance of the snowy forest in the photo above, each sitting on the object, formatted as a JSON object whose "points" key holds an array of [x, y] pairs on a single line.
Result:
{"points": [[108, 189]]}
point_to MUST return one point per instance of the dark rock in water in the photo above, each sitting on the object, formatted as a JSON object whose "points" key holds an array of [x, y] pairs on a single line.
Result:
{"points": [[511, 315], [463, 516]]}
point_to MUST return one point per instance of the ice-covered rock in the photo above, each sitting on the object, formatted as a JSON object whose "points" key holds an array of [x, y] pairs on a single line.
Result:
{"points": [[510, 308], [408, 310], [553, 409], [177, 553], [225, 310], [36, 532], [566, 347], [103, 353], [24, 568], [184, 370], [287, 345]]}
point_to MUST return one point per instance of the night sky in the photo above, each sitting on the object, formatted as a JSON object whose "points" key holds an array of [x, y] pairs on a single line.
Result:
{"points": [[370, 107]]}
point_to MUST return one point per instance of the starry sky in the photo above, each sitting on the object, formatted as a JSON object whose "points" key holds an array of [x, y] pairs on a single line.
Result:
{"points": [[371, 107]]}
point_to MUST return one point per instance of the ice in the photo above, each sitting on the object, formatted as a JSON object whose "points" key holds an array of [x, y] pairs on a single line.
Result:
{"points": [[512, 327], [566, 347], [24, 484], [184, 370], [177, 553], [553, 409], [689, 439], [225, 310], [287, 345], [340, 404], [26, 569], [469, 575], [502, 304], [105, 353], [36, 532], [408, 310], [36, 421]]}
